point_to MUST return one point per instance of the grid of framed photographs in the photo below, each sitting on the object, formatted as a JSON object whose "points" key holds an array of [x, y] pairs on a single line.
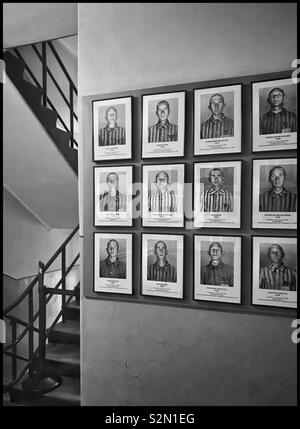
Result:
{"points": [[174, 250]]}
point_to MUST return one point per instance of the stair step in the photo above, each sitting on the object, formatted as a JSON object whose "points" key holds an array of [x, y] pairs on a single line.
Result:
{"points": [[47, 116], [65, 353], [68, 392], [72, 311], [31, 93], [68, 332], [14, 66]]}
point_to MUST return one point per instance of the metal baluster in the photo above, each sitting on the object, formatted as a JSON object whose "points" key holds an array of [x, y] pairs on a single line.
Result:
{"points": [[63, 284], [14, 350], [44, 56], [71, 114], [30, 332], [42, 319]]}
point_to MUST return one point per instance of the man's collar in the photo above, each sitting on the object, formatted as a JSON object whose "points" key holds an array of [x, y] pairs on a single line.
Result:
{"points": [[274, 194], [108, 128], [212, 190], [164, 267], [280, 268], [160, 125], [270, 113], [221, 118], [220, 265], [115, 264]]}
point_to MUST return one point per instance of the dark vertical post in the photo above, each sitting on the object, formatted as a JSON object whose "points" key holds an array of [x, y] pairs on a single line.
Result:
{"points": [[44, 56], [71, 114], [42, 319], [63, 282], [14, 350], [30, 332]]}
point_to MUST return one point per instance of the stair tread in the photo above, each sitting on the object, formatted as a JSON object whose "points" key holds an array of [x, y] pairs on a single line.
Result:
{"points": [[74, 304], [68, 327], [69, 390], [63, 352]]}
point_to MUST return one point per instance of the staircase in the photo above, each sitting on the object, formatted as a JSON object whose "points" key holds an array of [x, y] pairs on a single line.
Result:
{"points": [[35, 94]]}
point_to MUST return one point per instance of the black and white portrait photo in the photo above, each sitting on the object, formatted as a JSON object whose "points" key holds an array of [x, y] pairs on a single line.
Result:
{"points": [[274, 115], [217, 268], [217, 120], [112, 129], [274, 193], [163, 125], [112, 196], [113, 263], [163, 195], [217, 194], [162, 265], [275, 271]]}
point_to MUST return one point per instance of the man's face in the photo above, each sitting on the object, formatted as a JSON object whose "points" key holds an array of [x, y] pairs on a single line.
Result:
{"points": [[215, 252], [216, 105], [216, 178], [277, 178], [112, 249], [111, 116], [161, 251], [112, 182], [276, 98], [162, 112], [162, 181], [275, 254]]}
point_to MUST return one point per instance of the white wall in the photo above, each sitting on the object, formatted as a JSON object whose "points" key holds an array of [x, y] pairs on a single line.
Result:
{"points": [[25, 23], [134, 45], [134, 354]]}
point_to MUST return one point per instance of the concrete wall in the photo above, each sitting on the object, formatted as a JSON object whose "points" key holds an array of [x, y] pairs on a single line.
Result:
{"points": [[25, 23], [135, 354]]}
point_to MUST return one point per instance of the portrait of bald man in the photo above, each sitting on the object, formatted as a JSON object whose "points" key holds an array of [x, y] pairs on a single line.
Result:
{"points": [[163, 130], [218, 125], [216, 272], [112, 266], [278, 119], [276, 275], [111, 134], [161, 270]]}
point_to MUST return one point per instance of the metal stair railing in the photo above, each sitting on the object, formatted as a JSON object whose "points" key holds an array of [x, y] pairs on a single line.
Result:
{"points": [[69, 100], [29, 326]]}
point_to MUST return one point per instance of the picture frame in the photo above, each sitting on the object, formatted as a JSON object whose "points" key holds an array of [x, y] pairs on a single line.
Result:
{"points": [[217, 268], [112, 255], [113, 195], [217, 194], [274, 193], [274, 271], [163, 124], [218, 120], [274, 115], [112, 128], [162, 265], [163, 195]]}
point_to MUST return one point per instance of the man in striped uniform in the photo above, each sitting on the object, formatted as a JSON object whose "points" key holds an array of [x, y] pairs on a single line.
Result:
{"points": [[218, 125], [163, 131], [217, 198], [163, 200], [112, 267], [112, 200], [111, 134], [278, 119], [216, 272], [276, 275], [278, 198], [162, 270]]}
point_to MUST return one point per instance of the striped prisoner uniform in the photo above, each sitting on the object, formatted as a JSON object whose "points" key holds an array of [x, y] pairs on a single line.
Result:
{"points": [[162, 202], [108, 203], [221, 274], [281, 278], [216, 200], [166, 132], [282, 122], [167, 273], [216, 128], [112, 136], [286, 201]]}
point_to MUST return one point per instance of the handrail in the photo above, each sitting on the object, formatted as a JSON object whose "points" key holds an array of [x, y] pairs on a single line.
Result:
{"points": [[21, 297], [52, 259]]}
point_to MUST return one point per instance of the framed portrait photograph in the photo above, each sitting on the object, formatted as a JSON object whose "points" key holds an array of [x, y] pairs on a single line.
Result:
{"points": [[162, 265], [274, 115], [217, 194], [163, 189], [217, 269], [274, 276], [163, 125], [112, 129], [274, 199], [113, 196], [113, 263], [217, 120]]}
